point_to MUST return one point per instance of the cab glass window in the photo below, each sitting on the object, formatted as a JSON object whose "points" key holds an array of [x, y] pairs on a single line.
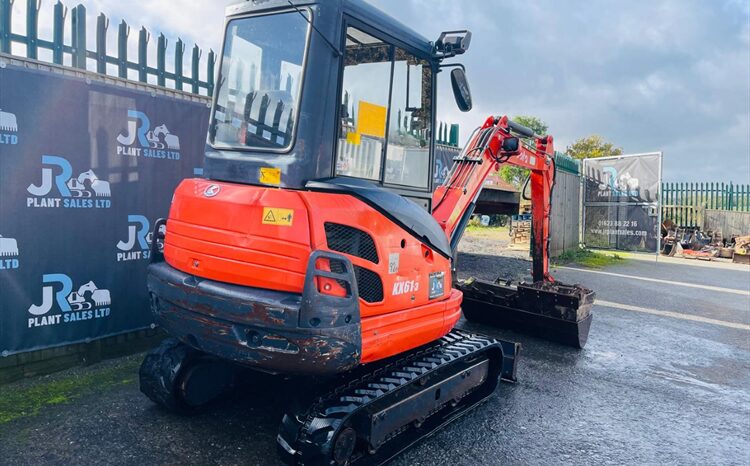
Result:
{"points": [[364, 105], [408, 151], [260, 82]]}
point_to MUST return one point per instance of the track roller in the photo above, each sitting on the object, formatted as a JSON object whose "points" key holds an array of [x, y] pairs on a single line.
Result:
{"points": [[184, 380]]}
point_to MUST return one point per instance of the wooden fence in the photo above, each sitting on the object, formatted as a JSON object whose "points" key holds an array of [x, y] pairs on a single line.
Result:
{"points": [[565, 216], [98, 58], [683, 203]]}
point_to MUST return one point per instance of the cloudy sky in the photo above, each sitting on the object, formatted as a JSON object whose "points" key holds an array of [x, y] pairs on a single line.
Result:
{"points": [[648, 75]]}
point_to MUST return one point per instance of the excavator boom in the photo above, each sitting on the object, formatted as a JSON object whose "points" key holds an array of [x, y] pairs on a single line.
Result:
{"points": [[544, 307], [491, 145]]}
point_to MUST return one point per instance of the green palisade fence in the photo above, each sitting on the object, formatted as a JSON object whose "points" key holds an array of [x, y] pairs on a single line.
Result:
{"points": [[682, 202], [567, 163], [98, 58], [447, 134]]}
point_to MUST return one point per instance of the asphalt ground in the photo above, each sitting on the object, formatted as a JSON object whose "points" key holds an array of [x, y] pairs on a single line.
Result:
{"points": [[665, 378]]}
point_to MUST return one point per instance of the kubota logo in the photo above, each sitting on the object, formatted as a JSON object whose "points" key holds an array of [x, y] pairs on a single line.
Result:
{"points": [[86, 303], [212, 190], [141, 141]]}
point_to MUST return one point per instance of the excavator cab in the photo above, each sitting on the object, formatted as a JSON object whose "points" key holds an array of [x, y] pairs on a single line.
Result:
{"points": [[317, 90]]}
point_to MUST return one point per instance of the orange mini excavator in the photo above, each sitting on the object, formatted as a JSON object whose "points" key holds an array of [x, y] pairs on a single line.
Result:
{"points": [[317, 245]]}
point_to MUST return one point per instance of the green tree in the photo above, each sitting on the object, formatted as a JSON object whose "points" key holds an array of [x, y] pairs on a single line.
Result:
{"points": [[517, 175], [591, 147]]}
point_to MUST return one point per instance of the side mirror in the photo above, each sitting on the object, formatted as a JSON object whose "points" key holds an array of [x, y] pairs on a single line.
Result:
{"points": [[461, 89]]}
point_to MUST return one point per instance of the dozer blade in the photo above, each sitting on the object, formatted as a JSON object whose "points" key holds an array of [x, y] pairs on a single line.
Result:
{"points": [[553, 311]]}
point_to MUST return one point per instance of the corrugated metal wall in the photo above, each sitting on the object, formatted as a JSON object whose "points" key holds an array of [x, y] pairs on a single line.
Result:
{"points": [[729, 222]]}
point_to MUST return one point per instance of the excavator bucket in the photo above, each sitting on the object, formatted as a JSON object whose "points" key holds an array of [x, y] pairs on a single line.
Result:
{"points": [[549, 310]]}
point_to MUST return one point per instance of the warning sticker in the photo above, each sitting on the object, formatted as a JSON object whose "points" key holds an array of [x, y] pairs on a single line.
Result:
{"points": [[393, 260], [278, 217], [270, 175]]}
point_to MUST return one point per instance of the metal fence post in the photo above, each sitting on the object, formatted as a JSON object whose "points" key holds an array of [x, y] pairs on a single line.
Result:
{"points": [[58, 32], [195, 72], [161, 53], [454, 135], [79, 37], [123, 32], [102, 24], [6, 10], [143, 38], [179, 50], [32, 27], [210, 72]]}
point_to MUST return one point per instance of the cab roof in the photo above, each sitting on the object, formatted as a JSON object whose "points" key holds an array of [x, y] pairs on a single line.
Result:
{"points": [[357, 9]]}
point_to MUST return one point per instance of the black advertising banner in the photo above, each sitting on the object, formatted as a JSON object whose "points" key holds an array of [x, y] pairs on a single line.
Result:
{"points": [[623, 227], [85, 170], [630, 179], [443, 162], [621, 202]]}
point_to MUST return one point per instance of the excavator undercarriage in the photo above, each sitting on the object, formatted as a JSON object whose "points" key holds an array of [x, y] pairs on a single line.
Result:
{"points": [[371, 417]]}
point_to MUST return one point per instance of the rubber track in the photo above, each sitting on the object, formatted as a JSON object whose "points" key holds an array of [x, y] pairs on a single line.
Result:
{"points": [[159, 371], [311, 434]]}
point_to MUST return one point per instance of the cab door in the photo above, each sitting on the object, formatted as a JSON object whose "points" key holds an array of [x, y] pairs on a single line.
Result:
{"points": [[386, 115]]}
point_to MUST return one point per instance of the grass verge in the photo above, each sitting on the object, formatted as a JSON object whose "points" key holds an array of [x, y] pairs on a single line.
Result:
{"points": [[479, 231], [588, 258], [18, 402]]}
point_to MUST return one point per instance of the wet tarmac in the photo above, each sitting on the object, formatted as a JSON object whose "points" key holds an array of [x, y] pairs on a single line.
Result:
{"points": [[647, 389]]}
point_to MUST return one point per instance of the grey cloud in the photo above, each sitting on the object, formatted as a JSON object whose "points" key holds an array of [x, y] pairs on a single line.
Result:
{"points": [[648, 75]]}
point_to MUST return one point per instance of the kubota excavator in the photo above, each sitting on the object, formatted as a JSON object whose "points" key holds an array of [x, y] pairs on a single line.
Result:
{"points": [[316, 245]]}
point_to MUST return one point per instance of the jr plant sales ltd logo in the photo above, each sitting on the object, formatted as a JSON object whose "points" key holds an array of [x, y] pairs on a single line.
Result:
{"points": [[138, 243], [618, 185], [8, 128], [9, 254], [142, 141], [60, 189], [61, 305]]}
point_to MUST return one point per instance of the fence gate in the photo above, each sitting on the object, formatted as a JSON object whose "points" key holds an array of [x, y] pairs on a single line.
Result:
{"points": [[621, 202]]}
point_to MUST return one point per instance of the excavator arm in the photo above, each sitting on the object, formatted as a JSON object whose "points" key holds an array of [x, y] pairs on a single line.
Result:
{"points": [[495, 143], [544, 307]]}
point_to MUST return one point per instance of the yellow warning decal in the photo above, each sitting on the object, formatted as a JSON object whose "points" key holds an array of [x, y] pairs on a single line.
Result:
{"points": [[270, 175], [354, 138], [372, 119], [278, 217]]}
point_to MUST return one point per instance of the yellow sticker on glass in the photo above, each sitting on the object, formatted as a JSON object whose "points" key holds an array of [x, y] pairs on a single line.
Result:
{"points": [[270, 175], [354, 138], [372, 119], [278, 217]]}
